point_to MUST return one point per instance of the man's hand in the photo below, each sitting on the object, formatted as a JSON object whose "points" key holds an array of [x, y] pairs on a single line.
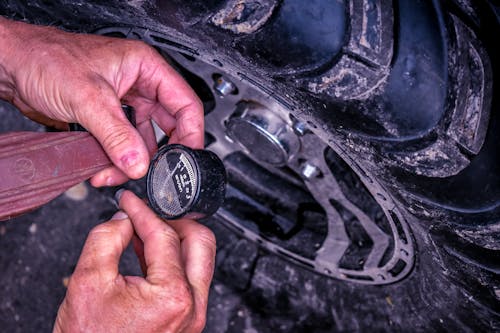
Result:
{"points": [[54, 76], [177, 258]]}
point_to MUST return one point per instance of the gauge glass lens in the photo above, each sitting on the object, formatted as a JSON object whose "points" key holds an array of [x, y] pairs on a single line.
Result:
{"points": [[174, 182]]}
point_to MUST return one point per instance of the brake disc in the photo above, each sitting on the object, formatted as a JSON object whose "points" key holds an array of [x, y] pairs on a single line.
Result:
{"points": [[289, 191]]}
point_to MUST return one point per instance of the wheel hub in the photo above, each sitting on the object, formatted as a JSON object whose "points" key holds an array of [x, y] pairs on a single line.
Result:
{"points": [[263, 134], [289, 191]]}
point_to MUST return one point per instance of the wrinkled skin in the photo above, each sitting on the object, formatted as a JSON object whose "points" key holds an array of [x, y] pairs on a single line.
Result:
{"points": [[177, 258], [54, 77]]}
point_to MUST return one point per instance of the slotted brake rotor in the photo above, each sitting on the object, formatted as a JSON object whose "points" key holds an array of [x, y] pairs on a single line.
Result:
{"points": [[288, 190]]}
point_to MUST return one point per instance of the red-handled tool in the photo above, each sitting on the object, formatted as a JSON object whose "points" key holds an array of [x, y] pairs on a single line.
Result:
{"points": [[36, 167]]}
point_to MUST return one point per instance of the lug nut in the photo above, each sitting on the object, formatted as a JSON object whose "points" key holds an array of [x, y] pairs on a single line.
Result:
{"points": [[223, 86], [310, 171], [299, 128]]}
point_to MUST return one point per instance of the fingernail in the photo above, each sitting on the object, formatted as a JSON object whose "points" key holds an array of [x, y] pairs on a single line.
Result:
{"points": [[129, 159], [132, 163], [109, 181], [120, 215], [118, 195]]}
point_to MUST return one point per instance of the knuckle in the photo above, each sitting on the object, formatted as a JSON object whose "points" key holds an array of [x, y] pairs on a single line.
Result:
{"points": [[140, 46], [180, 299], [169, 235], [100, 230], [140, 50], [116, 136], [207, 236], [82, 282], [104, 240], [164, 235], [195, 104], [93, 92], [77, 279]]}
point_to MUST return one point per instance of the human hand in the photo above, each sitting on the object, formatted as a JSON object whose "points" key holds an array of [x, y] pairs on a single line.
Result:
{"points": [[54, 76], [177, 258]]}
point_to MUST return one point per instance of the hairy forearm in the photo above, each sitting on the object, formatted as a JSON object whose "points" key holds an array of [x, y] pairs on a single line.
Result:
{"points": [[18, 41], [7, 44], [56, 77]]}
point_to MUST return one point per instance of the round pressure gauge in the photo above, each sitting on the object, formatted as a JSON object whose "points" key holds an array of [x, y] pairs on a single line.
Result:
{"points": [[183, 182]]}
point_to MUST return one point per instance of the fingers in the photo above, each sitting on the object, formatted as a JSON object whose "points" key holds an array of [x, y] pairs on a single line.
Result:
{"points": [[148, 134], [113, 176], [198, 247], [188, 128], [139, 252], [103, 248], [160, 83], [162, 252], [178, 261], [102, 115]]}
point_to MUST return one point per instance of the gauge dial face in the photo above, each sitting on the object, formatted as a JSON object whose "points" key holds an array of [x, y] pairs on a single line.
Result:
{"points": [[174, 182]]}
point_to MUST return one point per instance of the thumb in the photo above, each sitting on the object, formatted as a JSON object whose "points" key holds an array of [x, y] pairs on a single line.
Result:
{"points": [[105, 119], [104, 247]]}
